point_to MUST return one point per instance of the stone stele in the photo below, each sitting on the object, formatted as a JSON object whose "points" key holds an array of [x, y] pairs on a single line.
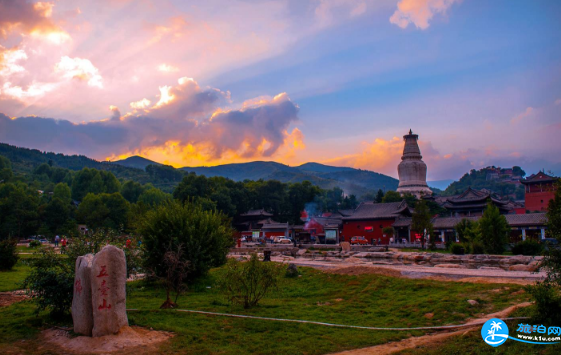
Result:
{"points": [[109, 277], [82, 315]]}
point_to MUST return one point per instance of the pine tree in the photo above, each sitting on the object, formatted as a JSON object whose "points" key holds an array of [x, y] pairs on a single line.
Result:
{"points": [[494, 230]]}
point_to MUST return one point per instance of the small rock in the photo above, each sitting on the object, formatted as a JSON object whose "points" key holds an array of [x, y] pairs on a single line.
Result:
{"points": [[473, 302], [429, 315]]}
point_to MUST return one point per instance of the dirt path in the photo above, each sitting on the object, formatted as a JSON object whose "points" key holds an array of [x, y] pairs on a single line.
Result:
{"points": [[431, 339], [8, 298]]}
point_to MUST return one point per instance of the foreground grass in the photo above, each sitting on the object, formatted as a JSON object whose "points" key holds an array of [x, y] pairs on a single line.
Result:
{"points": [[472, 343], [11, 280], [366, 300]]}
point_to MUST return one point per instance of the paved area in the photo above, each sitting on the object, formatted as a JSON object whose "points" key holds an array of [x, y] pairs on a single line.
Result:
{"points": [[418, 271]]}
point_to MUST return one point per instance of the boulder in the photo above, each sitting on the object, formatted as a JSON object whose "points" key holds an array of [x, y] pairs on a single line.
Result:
{"points": [[521, 267], [473, 302], [109, 277], [345, 246], [82, 314]]}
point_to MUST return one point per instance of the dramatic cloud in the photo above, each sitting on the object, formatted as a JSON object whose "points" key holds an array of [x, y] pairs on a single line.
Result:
{"points": [[24, 17], [81, 69], [190, 126], [419, 12]]}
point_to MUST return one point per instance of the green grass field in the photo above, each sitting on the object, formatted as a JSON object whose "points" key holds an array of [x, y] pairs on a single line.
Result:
{"points": [[11, 280], [365, 300]]}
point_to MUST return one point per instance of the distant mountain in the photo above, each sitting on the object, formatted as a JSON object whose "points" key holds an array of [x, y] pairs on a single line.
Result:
{"points": [[136, 162], [352, 181], [440, 184], [320, 168]]}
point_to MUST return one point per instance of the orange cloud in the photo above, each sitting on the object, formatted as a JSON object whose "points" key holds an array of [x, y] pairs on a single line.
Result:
{"points": [[381, 155], [419, 12], [24, 17]]}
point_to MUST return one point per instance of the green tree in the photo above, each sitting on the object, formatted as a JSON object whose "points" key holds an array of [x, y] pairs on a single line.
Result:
{"points": [[392, 196], [154, 197], [62, 191], [299, 194], [547, 293], [494, 230], [5, 169], [108, 211], [422, 222], [19, 205], [131, 191], [56, 216], [205, 237], [379, 196]]}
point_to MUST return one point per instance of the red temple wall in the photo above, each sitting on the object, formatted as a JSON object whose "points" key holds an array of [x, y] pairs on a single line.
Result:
{"points": [[538, 201], [357, 229]]}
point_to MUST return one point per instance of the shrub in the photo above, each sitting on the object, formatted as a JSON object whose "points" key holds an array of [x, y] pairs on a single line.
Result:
{"points": [[457, 249], [8, 254], [206, 237], [477, 248], [34, 244], [50, 282], [527, 247], [246, 283], [548, 302]]}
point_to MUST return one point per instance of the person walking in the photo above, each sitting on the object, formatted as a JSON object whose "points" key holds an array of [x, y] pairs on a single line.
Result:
{"points": [[63, 245], [57, 239]]}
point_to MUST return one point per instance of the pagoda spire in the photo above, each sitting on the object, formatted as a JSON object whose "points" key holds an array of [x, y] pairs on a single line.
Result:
{"points": [[412, 170]]}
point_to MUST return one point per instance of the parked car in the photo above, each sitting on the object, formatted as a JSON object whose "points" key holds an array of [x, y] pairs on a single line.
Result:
{"points": [[359, 241], [283, 240]]}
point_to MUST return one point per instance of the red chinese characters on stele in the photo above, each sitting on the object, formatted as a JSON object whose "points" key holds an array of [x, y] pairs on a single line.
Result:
{"points": [[78, 286], [103, 289]]}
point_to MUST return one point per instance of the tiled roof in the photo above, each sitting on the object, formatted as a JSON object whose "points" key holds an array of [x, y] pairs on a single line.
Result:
{"points": [[260, 212], [346, 213], [275, 226], [529, 219], [403, 222], [371, 210], [450, 222], [539, 177], [328, 221]]}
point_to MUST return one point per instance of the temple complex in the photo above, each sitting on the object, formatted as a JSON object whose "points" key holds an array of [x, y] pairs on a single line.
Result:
{"points": [[412, 170]]}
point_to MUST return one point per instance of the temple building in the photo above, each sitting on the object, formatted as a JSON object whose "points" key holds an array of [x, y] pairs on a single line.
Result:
{"points": [[412, 170], [539, 189]]}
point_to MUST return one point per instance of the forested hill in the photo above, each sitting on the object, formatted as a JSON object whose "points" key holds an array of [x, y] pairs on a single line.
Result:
{"points": [[352, 181], [503, 181], [25, 160]]}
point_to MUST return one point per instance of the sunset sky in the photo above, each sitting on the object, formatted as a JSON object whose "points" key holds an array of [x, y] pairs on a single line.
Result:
{"points": [[191, 83]]}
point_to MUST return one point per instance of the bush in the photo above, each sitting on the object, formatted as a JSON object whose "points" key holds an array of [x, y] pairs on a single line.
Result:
{"points": [[548, 302], [34, 244], [457, 249], [8, 254], [246, 283], [206, 237], [477, 248], [50, 282], [527, 247]]}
